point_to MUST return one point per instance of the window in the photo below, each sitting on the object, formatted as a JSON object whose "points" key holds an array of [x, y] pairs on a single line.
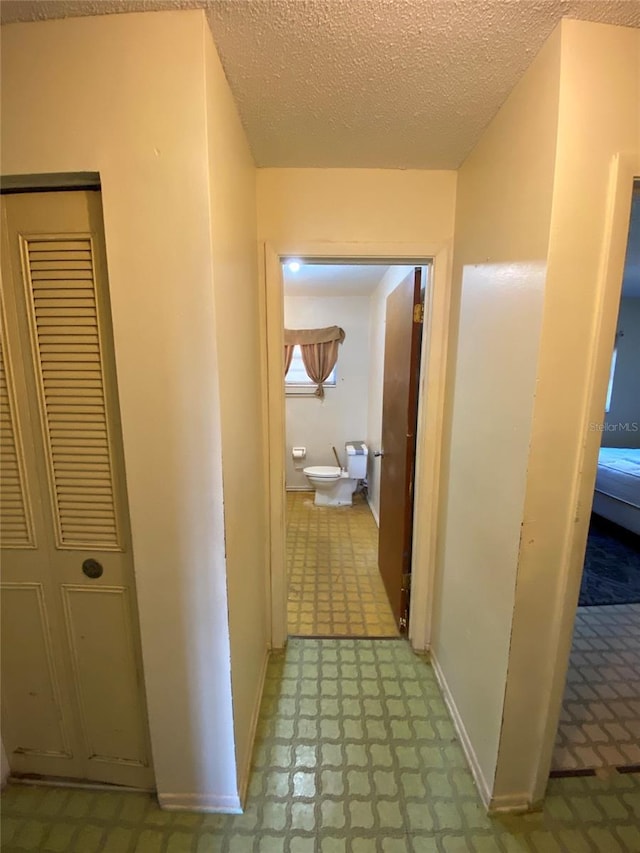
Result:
{"points": [[297, 380]]}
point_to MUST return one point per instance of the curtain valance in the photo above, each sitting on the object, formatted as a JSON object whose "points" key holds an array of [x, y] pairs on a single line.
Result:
{"points": [[313, 336]]}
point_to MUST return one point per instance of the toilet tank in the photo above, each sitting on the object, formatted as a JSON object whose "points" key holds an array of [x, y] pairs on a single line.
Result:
{"points": [[356, 459]]}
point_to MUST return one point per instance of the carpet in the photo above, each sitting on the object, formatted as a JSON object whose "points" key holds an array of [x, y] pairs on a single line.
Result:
{"points": [[612, 565]]}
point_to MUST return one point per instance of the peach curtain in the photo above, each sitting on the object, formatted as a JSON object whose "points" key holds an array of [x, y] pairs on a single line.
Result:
{"points": [[288, 355], [319, 349], [319, 360]]}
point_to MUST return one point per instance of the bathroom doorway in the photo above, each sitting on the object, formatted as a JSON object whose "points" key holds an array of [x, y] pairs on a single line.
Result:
{"points": [[429, 431], [352, 335]]}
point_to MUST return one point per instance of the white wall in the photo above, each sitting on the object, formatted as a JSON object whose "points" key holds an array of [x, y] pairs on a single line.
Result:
{"points": [[377, 327], [342, 415], [241, 375], [623, 419], [501, 242], [124, 95]]}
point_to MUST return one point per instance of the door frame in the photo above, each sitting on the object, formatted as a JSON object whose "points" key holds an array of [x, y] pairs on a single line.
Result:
{"points": [[624, 170], [429, 435]]}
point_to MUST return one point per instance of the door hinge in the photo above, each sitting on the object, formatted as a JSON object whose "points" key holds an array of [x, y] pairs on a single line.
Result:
{"points": [[418, 313], [403, 624], [406, 582]]}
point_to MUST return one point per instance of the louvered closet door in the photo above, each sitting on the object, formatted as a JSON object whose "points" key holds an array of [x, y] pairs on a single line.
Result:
{"points": [[72, 688]]}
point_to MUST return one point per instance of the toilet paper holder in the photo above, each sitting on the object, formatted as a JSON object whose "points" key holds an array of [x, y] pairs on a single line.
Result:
{"points": [[299, 452]]}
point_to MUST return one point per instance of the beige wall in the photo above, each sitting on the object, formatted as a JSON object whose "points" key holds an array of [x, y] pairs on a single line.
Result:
{"points": [[599, 100], [238, 337], [299, 206], [501, 241], [622, 423], [82, 95], [342, 415]]}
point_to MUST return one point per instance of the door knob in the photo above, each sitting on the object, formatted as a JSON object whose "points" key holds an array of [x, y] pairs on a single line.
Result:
{"points": [[92, 568]]}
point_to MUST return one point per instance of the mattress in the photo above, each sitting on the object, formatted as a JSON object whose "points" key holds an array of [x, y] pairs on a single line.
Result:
{"points": [[619, 474]]}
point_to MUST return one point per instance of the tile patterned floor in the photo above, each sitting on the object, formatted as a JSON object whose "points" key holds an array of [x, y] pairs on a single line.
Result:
{"points": [[335, 588], [355, 754], [600, 721]]}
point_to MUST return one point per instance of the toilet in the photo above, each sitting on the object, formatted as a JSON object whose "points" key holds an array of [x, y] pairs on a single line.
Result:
{"points": [[335, 486]]}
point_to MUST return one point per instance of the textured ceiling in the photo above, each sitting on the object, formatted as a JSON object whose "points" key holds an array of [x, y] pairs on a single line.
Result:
{"points": [[365, 83], [333, 279]]}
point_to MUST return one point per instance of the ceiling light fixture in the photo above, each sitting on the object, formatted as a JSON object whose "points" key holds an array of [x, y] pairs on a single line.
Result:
{"points": [[294, 266]]}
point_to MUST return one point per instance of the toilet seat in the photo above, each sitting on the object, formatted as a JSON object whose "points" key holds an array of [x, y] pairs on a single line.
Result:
{"points": [[323, 472]]}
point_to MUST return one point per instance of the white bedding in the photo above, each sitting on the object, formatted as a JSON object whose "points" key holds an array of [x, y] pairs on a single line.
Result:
{"points": [[619, 474]]}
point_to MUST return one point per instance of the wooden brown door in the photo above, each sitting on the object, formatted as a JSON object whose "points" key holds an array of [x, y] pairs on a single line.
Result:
{"points": [[403, 337]]}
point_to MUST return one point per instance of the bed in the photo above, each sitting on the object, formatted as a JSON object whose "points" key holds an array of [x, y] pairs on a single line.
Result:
{"points": [[617, 492]]}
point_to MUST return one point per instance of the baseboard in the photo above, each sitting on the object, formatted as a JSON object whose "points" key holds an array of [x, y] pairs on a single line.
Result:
{"points": [[53, 782], [373, 512], [511, 804], [245, 772], [223, 804], [472, 758], [200, 803]]}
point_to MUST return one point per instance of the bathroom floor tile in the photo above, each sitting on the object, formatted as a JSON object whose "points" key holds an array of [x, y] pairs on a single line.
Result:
{"points": [[335, 588]]}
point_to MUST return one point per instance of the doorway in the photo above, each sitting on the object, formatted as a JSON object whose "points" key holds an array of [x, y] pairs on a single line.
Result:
{"points": [[600, 717], [426, 480], [350, 443], [73, 703]]}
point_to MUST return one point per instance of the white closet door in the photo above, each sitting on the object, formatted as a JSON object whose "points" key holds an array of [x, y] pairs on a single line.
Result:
{"points": [[63, 316], [72, 686], [16, 529]]}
